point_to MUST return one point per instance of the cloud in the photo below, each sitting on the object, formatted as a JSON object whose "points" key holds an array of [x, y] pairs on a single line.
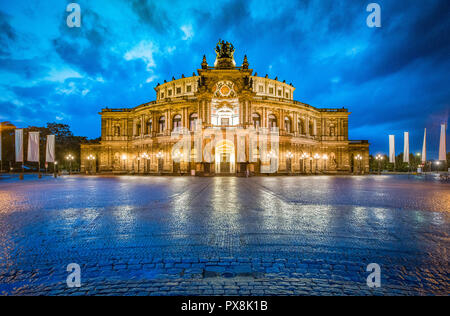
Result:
{"points": [[144, 50], [187, 31], [150, 14]]}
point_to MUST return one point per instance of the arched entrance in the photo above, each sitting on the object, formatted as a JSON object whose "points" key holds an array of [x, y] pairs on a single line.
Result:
{"points": [[225, 157]]}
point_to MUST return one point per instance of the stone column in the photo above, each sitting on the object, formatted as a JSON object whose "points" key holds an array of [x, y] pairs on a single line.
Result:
{"points": [[199, 107], [281, 124], [295, 122], [307, 125], [250, 112], [208, 112]]}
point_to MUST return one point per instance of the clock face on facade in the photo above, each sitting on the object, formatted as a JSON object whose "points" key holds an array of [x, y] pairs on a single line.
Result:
{"points": [[225, 89]]}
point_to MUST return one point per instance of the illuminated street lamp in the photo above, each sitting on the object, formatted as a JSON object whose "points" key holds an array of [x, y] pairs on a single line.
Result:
{"points": [[359, 158], [437, 163], [124, 159], [176, 158], [146, 157], [159, 156], [379, 158], [302, 158], [325, 158], [289, 156], [70, 158], [317, 157], [91, 158], [55, 165]]}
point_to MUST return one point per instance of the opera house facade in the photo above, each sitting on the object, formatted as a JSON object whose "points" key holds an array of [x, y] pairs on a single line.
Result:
{"points": [[225, 120]]}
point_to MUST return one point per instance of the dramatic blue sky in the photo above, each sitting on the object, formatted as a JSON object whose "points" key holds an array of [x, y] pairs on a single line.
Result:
{"points": [[393, 79]]}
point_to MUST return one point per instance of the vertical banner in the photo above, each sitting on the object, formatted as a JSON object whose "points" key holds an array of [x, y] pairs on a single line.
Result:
{"points": [[33, 146], [424, 148], [50, 150], [406, 147], [18, 133], [443, 144], [391, 148], [1, 154]]}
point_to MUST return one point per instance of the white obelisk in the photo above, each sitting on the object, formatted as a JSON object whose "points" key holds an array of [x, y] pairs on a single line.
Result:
{"points": [[406, 147], [424, 148], [443, 144], [392, 149]]}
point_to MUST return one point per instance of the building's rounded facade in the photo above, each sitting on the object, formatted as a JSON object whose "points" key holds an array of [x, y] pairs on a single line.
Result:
{"points": [[225, 120]]}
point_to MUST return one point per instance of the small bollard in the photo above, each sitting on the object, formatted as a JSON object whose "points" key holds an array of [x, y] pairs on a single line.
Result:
{"points": [[21, 176], [39, 176]]}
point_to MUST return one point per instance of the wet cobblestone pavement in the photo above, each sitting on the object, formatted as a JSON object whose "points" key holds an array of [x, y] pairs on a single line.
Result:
{"points": [[233, 236]]}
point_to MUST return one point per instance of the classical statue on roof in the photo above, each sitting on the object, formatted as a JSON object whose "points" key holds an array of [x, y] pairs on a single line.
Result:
{"points": [[224, 49], [224, 55]]}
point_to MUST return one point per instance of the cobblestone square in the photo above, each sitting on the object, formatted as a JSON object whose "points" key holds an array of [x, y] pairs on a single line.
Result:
{"points": [[224, 235]]}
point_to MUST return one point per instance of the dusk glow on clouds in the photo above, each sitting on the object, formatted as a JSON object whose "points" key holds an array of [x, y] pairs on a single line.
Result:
{"points": [[393, 79]]}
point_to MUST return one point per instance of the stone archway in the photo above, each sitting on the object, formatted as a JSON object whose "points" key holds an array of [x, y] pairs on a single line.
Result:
{"points": [[225, 157]]}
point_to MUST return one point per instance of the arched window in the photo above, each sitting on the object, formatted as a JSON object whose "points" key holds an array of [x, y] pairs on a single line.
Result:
{"points": [[272, 121], [176, 122], [193, 121], [287, 124], [311, 128], [301, 127], [256, 120], [116, 130], [149, 126], [138, 128], [162, 124]]}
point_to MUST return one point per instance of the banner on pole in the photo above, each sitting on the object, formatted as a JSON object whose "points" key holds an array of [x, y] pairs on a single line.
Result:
{"points": [[18, 133], [391, 148], [406, 147], [33, 146], [443, 144], [424, 148], [50, 150]]}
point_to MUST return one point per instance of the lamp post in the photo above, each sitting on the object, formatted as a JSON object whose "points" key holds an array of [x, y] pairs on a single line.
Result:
{"points": [[359, 158], [124, 159], [437, 163], [176, 157], [325, 159], [305, 159], [145, 158], [379, 158], [302, 158], [317, 157], [70, 158], [289, 156], [310, 164], [55, 165], [159, 156], [418, 160], [91, 158]]}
